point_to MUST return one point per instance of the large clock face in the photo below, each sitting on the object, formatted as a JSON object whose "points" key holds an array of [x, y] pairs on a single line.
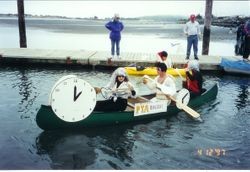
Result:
{"points": [[72, 99]]}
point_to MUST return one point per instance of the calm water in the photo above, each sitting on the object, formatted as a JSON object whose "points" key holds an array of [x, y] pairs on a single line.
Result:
{"points": [[221, 141]]}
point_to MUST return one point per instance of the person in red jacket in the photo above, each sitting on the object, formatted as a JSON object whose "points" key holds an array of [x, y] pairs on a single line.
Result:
{"points": [[193, 79]]}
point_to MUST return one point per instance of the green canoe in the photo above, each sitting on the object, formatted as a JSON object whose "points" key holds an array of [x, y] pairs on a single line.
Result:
{"points": [[47, 120]]}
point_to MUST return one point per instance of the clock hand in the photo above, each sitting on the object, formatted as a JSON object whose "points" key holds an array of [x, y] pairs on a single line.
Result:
{"points": [[76, 96]]}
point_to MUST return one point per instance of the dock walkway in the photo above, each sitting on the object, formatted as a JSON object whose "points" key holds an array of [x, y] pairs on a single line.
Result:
{"points": [[98, 58]]}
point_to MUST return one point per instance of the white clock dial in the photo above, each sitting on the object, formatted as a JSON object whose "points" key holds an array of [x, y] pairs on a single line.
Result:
{"points": [[57, 82], [73, 99]]}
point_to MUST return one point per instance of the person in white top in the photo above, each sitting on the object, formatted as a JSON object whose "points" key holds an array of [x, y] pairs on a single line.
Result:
{"points": [[192, 30], [163, 79], [121, 90], [163, 57]]}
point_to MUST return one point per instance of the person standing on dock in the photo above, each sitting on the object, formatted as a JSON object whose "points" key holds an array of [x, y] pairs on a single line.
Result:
{"points": [[192, 30], [239, 47], [115, 28], [247, 41]]}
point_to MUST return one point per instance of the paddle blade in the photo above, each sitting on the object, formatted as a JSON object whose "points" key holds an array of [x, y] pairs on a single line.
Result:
{"points": [[183, 96], [187, 109], [190, 111]]}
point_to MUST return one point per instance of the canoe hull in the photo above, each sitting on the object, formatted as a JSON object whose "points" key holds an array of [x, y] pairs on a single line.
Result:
{"points": [[47, 120], [151, 71]]}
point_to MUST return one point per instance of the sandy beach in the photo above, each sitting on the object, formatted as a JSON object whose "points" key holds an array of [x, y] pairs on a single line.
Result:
{"points": [[168, 29], [138, 35]]}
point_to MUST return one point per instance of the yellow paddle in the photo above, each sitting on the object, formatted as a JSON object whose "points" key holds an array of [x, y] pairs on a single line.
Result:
{"points": [[177, 71]]}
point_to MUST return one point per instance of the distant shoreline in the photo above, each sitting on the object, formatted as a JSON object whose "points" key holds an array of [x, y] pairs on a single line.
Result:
{"points": [[223, 21], [162, 29]]}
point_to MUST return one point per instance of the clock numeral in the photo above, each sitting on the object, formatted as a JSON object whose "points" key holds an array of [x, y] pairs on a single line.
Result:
{"points": [[75, 80], [65, 83], [57, 90]]}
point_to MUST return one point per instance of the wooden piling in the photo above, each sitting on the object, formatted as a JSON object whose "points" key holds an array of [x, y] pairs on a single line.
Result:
{"points": [[21, 24], [207, 27]]}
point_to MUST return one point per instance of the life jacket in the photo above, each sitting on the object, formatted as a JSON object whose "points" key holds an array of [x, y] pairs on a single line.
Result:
{"points": [[193, 85]]}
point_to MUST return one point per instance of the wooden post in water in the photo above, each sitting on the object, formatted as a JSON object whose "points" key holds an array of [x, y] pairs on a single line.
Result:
{"points": [[207, 24], [21, 24]]}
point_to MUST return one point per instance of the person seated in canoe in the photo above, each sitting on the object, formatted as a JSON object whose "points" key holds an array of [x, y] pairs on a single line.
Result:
{"points": [[193, 79], [163, 58], [116, 92], [164, 80]]}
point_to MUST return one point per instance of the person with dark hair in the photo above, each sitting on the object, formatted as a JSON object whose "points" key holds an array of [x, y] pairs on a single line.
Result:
{"points": [[163, 57], [194, 79], [163, 79], [192, 30], [115, 28], [246, 51], [121, 89]]}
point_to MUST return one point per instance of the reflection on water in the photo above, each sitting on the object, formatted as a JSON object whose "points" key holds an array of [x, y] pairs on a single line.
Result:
{"points": [[77, 149], [240, 92], [118, 144], [243, 98], [66, 150], [27, 92]]}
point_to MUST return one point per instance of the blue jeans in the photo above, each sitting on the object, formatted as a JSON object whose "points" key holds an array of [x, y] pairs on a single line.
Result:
{"points": [[115, 43], [192, 40]]}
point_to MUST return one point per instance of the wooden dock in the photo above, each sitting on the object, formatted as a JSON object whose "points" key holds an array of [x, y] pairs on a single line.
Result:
{"points": [[97, 58]]}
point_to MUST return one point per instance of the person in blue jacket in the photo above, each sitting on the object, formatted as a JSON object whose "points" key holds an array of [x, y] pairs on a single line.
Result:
{"points": [[115, 28]]}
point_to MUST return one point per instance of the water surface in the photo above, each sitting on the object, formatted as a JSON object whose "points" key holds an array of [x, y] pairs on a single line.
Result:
{"points": [[221, 141]]}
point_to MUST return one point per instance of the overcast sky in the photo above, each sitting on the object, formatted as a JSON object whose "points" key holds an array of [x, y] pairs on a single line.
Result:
{"points": [[104, 9]]}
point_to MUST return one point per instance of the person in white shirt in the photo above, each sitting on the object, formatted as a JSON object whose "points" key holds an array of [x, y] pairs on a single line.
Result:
{"points": [[121, 90], [163, 57], [163, 79], [192, 30]]}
